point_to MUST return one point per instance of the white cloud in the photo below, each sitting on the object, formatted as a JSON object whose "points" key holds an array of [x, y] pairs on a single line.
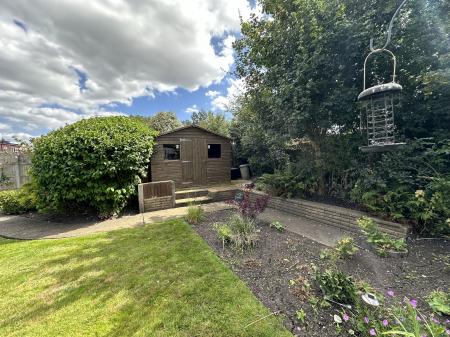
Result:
{"points": [[192, 109], [212, 93], [16, 136], [234, 90], [4, 127], [124, 48]]}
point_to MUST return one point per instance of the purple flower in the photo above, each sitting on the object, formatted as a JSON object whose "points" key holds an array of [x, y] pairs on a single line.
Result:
{"points": [[447, 331], [435, 320], [413, 303], [366, 319], [391, 293], [372, 332], [447, 321], [345, 317], [419, 319], [385, 322]]}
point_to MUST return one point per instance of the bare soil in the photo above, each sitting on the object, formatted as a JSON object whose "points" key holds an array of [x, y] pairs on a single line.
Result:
{"points": [[280, 257]]}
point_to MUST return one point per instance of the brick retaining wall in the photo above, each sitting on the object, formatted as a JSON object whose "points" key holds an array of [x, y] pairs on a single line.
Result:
{"points": [[331, 215], [223, 195], [154, 204]]}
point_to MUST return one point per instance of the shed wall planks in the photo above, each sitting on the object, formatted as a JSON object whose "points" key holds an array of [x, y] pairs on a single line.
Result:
{"points": [[203, 170]]}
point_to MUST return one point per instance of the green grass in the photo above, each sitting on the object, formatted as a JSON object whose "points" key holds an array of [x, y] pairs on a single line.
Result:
{"points": [[157, 280]]}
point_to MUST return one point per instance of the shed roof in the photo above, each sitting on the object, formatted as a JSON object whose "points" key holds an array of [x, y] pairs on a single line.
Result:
{"points": [[193, 126]]}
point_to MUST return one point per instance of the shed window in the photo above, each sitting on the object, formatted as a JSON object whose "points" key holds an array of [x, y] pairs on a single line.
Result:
{"points": [[214, 151], [171, 151]]}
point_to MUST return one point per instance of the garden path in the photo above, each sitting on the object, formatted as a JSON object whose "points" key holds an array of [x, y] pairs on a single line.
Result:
{"points": [[28, 227], [324, 234], [34, 226]]}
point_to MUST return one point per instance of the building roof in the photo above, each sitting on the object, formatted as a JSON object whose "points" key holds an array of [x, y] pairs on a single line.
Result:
{"points": [[5, 142], [193, 126]]}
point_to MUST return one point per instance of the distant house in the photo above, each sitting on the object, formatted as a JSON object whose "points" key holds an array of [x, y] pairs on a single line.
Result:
{"points": [[6, 146], [191, 156]]}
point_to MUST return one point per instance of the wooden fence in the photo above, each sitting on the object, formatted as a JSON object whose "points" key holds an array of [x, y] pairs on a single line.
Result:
{"points": [[14, 170], [156, 195]]}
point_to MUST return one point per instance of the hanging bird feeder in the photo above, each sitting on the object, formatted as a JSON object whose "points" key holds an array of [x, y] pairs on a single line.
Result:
{"points": [[378, 104]]}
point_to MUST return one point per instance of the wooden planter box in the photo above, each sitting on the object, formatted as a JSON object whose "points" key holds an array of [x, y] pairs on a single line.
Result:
{"points": [[156, 195]]}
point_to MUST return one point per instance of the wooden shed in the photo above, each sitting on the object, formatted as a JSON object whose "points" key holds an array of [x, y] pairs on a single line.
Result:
{"points": [[191, 156]]}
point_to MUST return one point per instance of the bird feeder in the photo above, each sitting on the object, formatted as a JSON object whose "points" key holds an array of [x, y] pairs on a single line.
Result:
{"points": [[378, 104]]}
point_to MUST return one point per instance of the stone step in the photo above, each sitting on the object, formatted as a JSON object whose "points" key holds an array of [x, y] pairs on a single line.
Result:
{"points": [[191, 193], [196, 200]]}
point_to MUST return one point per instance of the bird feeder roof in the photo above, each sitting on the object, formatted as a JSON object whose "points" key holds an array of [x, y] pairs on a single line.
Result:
{"points": [[378, 89]]}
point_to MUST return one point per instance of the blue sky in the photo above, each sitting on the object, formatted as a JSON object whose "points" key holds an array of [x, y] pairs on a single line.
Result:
{"points": [[79, 59]]}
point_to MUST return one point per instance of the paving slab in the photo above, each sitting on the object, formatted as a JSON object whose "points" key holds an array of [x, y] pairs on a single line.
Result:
{"points": [[29, 228], [326, 235]]}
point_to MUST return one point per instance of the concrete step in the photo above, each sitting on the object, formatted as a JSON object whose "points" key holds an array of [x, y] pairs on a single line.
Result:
{"points": [[191, 193], [196, 200]]}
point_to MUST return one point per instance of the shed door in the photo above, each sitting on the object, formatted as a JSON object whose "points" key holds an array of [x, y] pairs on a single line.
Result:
{"points": [[200, 154], [187, 161]]}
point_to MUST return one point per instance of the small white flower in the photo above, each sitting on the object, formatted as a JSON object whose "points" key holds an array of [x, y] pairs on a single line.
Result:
{"points": [[419, 194], [337, 319]]}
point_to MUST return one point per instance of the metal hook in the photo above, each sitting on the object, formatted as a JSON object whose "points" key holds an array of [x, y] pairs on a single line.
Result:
{"points": [[389, 32]]}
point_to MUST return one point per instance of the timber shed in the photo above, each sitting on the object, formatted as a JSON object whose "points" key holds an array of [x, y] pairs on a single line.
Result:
{"points": [[191, 156]]}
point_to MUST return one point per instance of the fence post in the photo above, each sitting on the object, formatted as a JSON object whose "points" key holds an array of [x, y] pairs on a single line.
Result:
{"points": [[17, 172], [173, 193], [141, 198]]}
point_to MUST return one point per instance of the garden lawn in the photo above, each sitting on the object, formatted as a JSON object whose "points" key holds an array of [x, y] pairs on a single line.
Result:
{"points": [[157, 280]]}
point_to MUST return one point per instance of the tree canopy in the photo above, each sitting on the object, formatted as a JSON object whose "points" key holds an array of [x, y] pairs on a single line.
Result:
{"points": [[302, 64], [163, 121], [215, 122]]}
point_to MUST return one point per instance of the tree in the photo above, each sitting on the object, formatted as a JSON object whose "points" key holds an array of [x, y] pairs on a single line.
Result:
{"points": [[94, 164], [162, 122], [217, 123], [302, 65]]}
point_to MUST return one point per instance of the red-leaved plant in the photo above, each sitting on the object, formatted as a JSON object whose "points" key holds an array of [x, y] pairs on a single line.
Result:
{"points": [[248, 208]]}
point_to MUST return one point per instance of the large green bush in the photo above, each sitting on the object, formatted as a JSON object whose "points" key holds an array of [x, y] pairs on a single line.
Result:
{"points": [[94, 164]]}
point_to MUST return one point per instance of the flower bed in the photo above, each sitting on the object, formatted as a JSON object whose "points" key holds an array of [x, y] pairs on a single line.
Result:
{"points": [[279, 271]]}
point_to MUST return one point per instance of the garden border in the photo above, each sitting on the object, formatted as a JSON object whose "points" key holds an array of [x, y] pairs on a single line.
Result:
{"points": [[332, 215]]}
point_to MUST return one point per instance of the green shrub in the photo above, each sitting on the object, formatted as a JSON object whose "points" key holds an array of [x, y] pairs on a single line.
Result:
{"points": [[94, 164], [243, 231], [430, 208], [380, 240], [277, 225], [223, 232], [336, 286], [18, 201], [287, 183], [439, 301], [345, 248], [240, 230], [194, 214], [412, 184]]}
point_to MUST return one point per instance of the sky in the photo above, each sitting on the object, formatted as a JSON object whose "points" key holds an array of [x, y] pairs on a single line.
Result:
{"points": [[64, 60]]}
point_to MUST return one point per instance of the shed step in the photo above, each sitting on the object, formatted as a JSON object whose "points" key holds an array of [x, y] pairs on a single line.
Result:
{"points": [[192, 193], [196, 200]]}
